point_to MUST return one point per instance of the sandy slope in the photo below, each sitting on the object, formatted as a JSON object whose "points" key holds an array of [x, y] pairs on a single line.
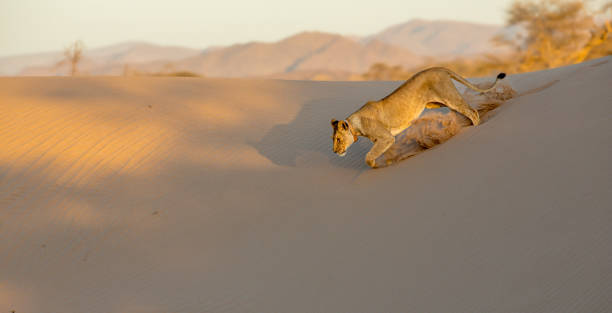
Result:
{"points": [[197, 195]]}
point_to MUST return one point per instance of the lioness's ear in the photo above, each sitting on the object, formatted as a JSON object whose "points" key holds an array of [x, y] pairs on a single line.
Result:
{"points": [[334, 123], [344, 125]]}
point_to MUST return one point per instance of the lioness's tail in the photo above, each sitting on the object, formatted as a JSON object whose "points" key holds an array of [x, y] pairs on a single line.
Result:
{"points": [[462, 80]]}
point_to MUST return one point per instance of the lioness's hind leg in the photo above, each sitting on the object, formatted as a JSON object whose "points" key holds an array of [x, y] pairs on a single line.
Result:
{"points": [[451, 98]]}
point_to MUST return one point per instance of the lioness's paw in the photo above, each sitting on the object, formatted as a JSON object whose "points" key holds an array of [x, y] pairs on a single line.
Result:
{"points": [[371, 163], [476, 119]]}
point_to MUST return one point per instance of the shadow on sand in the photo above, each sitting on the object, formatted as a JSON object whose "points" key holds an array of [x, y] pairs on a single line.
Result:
{"points": [[306, 141]]}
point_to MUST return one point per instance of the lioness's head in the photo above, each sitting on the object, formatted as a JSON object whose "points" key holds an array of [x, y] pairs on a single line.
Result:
{"points": [[342, 137]]}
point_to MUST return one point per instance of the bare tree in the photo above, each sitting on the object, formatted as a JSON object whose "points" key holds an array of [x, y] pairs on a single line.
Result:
{"points": [[73, 54]]}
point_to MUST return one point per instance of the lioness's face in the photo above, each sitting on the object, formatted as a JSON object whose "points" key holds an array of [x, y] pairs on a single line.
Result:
{"points": [[342, 137]]}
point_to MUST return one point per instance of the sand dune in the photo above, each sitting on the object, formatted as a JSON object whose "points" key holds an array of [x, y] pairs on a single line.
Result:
{"points": [[223, 195]]}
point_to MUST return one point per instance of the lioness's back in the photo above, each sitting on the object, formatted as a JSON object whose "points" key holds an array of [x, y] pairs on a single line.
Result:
{"points": [[381, 120], [425, 78]]}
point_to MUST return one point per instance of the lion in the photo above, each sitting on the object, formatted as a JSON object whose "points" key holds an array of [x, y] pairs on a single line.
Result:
{"points": [[381, 120]]}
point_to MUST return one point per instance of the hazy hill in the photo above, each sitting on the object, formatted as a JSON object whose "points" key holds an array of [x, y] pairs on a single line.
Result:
{"points": [[108, 60], [440, 38], [134, 52], [14, 65], [302, 52], [301, 56]]}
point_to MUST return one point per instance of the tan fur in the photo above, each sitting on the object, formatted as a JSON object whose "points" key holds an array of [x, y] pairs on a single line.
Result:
{"points": [[381, 120], [434, 127]]}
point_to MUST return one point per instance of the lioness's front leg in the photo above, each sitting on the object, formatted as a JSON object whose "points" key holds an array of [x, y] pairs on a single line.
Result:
{"points": [[380, 146], [382, 139]]}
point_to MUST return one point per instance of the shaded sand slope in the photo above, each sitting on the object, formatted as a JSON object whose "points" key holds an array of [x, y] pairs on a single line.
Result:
{"points": [[198, 195]]}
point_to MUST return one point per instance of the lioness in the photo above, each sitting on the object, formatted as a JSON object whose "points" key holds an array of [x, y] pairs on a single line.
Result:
{"points": [[381, 120]]}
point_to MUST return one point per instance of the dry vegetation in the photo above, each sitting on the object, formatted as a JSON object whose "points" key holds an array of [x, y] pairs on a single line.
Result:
{"points": [[555, 33]]}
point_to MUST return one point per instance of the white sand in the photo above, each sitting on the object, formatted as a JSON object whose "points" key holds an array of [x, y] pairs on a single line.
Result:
{"points": [[224, 196]]}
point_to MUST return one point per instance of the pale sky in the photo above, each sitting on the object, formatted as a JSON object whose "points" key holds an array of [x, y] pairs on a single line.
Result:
{"points": [[47, 25]]}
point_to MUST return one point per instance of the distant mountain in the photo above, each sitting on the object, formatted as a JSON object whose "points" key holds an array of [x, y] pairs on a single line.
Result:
{"points": [[306, 55], [441, 38], [306, 51], [14, 65], [108, 60], [141, 52]]}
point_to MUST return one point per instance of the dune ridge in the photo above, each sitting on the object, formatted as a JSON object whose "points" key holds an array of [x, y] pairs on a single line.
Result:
{"points": [[151, 194]]}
